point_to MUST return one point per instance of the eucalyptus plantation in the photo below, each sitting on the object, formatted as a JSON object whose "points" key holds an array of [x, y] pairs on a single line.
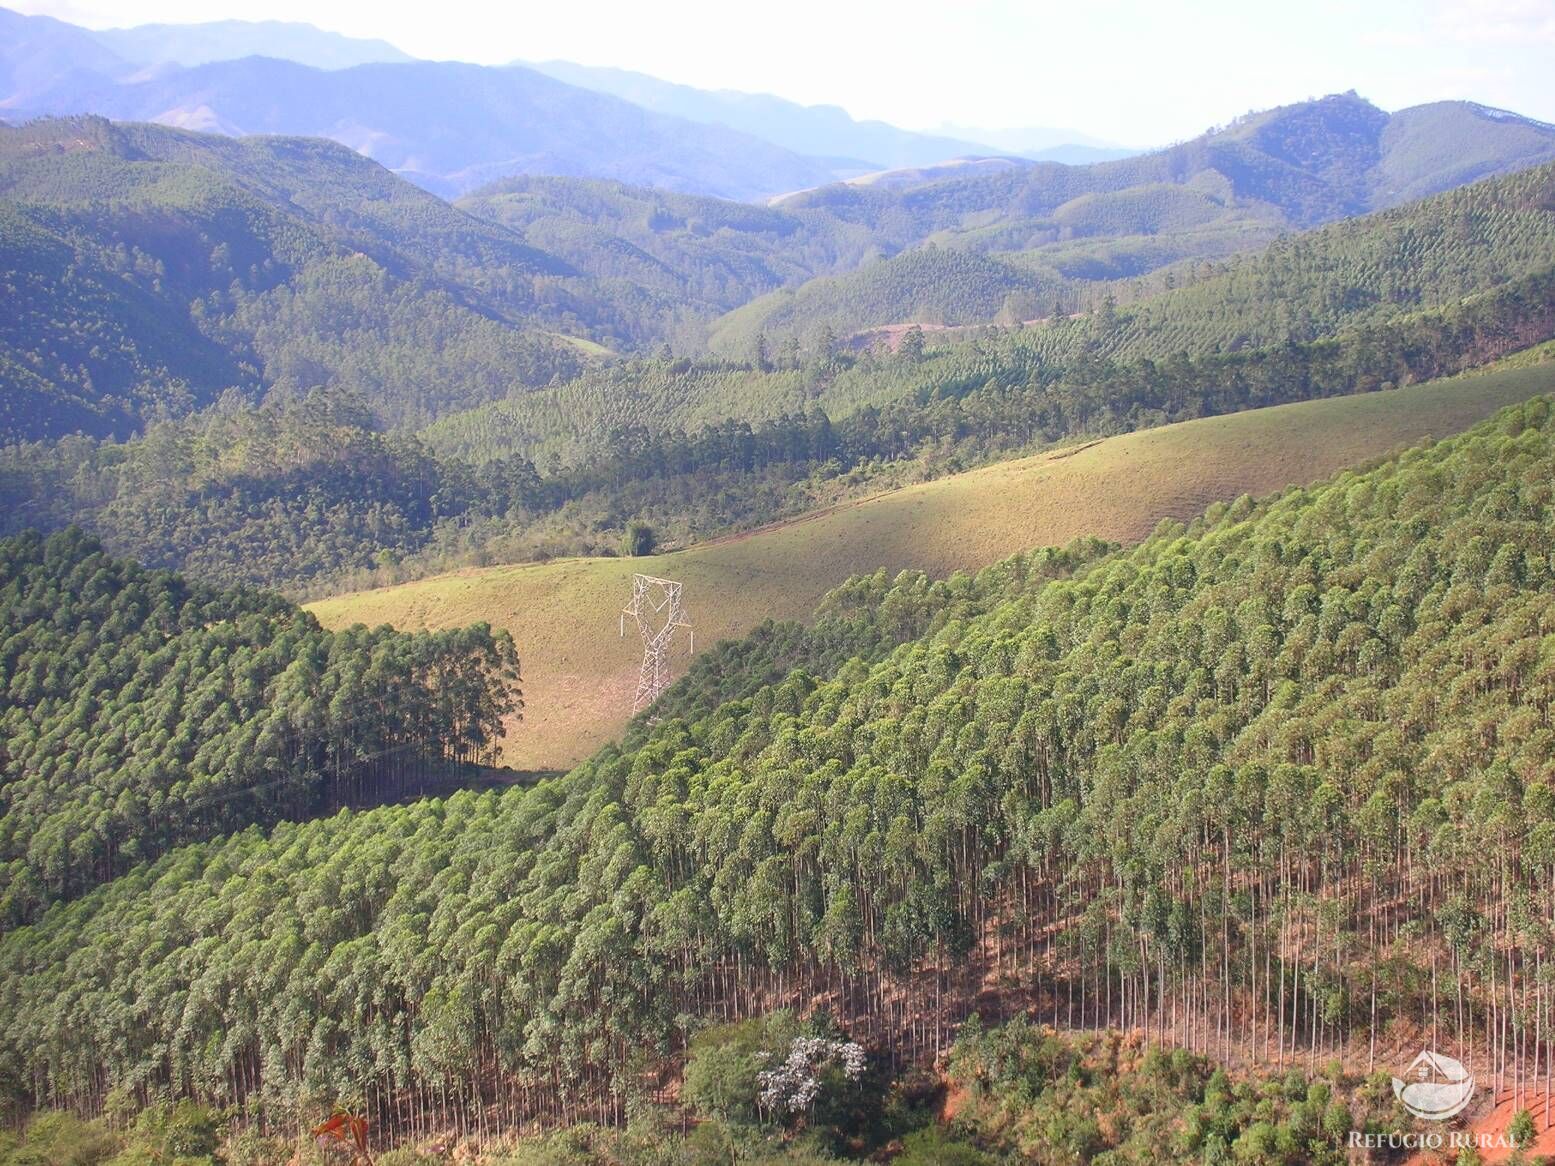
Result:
{"points": [[1268, 785]]}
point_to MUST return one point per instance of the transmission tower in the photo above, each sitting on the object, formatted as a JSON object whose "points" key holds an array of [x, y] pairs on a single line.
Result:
{"points": [[656, 606]]}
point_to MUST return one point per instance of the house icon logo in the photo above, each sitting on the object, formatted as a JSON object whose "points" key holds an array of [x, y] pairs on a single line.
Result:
{"points": [[1434, 1087]]}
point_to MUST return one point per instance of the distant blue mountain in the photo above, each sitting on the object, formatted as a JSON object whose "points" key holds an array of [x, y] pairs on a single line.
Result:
{"points": [[230, 40], [448, 127], [40, 55], [825, 131]]}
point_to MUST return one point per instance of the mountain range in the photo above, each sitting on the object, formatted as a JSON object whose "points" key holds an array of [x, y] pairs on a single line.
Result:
{"points": [[825, 130], [447, 126], [231, 40], [961, 246], [451, 126], [151, 268]]}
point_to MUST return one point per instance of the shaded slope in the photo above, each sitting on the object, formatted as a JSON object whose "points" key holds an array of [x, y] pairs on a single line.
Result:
{"points": [[150, 265]]}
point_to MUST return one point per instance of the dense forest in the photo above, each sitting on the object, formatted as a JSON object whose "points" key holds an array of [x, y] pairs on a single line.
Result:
{"points": [[310, 490], [1241, 788], [142, 712], [309, 493], [152, 269], [1164, 852]]}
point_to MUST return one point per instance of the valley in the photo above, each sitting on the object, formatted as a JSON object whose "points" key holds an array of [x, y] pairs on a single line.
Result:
{"points": [[1121, 722]]}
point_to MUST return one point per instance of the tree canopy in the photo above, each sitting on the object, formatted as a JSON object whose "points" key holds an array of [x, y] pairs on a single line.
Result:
{"points": [[1238, 787], [142, 712]]}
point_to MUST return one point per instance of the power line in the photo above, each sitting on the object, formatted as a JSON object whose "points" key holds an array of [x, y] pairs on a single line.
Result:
{"points": [[658, 610]]}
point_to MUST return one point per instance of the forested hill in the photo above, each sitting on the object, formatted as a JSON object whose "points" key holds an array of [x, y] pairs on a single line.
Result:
{"points": [[1037, 234], [150, 269], [1466, 272], [710, 254], [1021, 243], [1356, 274], [142, 712], [1312, 162], [1241, 786], [1359, 270], [147, 269], [307, 493]]}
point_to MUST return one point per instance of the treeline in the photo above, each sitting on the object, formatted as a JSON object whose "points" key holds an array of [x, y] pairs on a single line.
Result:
{"points": [[862, 620], [308, 492], [142, 712], [998, 395], [1242, 788], [1356, 273], [1021, 1093]]}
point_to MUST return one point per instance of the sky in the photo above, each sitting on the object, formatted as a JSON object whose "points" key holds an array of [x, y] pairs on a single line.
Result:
{"points": [[1136, 72]]}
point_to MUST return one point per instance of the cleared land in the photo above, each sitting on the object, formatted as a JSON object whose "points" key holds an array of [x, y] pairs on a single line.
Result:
{"points": [[579, 674]]}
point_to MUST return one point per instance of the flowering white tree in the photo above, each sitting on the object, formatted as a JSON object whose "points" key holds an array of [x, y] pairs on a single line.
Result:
{"points": [[792, 1087]]}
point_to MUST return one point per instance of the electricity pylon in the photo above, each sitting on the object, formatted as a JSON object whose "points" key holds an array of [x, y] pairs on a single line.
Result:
{"points": [[657, 608]]}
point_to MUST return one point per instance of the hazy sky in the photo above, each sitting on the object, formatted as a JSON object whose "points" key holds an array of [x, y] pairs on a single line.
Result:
{"points": [[1136, 71]]}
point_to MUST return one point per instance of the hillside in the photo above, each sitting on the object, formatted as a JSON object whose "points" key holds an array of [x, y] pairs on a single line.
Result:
{"points": [[1345, 313], [1358, 271], [1230, 190], [1001, 239], [1096, 796], [1313, 161], [924, 285], [1043, 233], [305, 491], [709, 254], [980, 392], [1109, 714], [154, 268], [579, 675], [148, 264], [144, 712]]}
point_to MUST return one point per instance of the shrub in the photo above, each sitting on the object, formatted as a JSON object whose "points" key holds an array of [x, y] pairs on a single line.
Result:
{"points": [[639, 539]]}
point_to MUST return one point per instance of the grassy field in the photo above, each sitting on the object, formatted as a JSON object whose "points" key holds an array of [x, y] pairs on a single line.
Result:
{"points": [[579, 674]]}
